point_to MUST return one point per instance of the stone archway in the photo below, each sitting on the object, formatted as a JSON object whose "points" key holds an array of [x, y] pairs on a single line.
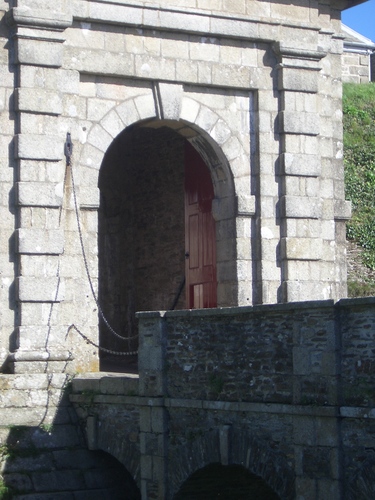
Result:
{"points": [[180, 116], [235, 447], [116, 481], [142, 225]]}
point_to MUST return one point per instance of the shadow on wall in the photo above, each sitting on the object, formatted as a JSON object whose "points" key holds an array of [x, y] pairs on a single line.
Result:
{"points": [[51, 460]]}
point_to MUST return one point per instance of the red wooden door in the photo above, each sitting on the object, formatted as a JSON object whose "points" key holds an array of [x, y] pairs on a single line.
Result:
{"points": [[200, 236]]}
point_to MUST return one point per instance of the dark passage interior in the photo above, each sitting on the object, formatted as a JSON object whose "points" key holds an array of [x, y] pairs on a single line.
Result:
{"points": [[225, 482], [141, 232]]}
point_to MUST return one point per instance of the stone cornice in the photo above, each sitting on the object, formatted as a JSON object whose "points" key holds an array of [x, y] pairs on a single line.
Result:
{"points": [[39, 18], [295, 53], [189, 21]]}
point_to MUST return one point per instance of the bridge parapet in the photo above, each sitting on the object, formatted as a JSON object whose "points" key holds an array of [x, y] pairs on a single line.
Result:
{"points": [[296, 378], [285, 391]]}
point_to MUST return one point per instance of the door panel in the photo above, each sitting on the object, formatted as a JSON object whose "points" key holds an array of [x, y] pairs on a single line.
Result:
{"points": [[200, 234], [193, 241]]}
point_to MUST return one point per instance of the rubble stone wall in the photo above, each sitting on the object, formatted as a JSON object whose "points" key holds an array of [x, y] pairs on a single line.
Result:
{"points": [[293, 380]]}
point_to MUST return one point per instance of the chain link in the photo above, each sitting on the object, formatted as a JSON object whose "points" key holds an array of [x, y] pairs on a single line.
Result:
{"points": [[101, 313], [101, 348]]}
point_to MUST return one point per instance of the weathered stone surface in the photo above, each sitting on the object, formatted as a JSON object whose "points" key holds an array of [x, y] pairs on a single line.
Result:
{"points": [[40, 14], [37, 289], [342, 209], [38, 241], [170, 100], [39, 147], [301, 164], [302, 248], [39, 194], [39, 52], [245, 205], [302, 207], [299, 123], [40, 101], [302, 80]]}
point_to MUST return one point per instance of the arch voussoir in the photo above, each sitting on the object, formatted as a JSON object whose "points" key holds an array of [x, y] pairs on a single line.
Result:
{"points": [[99, 138]]}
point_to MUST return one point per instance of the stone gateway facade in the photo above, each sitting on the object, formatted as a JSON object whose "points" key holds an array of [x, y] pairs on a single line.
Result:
{"points": [[254, 87], [157, 156]]}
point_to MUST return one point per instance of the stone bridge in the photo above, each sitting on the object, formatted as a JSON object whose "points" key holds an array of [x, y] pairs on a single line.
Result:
{"points": [[281, 394]]}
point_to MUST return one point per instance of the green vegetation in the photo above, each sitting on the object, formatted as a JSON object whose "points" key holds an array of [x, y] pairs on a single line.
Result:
{"points": [[359, 162], [47, 428], [5, 492], [361, 288], [4, 452]]}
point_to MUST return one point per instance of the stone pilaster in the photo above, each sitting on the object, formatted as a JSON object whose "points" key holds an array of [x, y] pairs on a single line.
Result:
{"points": [[38, 36], [153, 419], [301, 204]]}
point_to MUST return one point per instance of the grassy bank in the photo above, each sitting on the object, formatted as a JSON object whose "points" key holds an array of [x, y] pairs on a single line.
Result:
{"points": [[359, 162]]}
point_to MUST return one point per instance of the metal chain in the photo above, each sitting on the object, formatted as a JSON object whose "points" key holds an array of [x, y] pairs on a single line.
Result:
{"points": [[52, 304], [69, 156], [116, 353]]}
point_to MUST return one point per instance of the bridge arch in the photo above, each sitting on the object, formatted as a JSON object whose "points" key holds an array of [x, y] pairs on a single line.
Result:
{"points": [[121, 445], [234, 446], [226, 482]]}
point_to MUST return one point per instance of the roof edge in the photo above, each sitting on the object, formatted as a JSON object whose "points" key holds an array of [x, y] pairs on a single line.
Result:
{"points": [[345, 4]]}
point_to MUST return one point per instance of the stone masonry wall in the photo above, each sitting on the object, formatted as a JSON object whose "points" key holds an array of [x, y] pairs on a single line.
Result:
{"points": [[356, 67], [225, 402], [295, 381], [43, 451], [276, 350], [288, 353]]}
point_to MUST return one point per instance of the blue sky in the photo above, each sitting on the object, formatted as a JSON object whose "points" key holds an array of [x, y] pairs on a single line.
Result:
{"points": [[361, 19]]}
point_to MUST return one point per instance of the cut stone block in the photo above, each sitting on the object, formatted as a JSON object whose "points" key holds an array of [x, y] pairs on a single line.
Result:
{"points": [[40, 241], [35, 289]]}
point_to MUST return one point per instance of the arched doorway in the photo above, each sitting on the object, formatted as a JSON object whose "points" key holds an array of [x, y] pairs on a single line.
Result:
{"points": [[225, 482], [143, 231]]}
